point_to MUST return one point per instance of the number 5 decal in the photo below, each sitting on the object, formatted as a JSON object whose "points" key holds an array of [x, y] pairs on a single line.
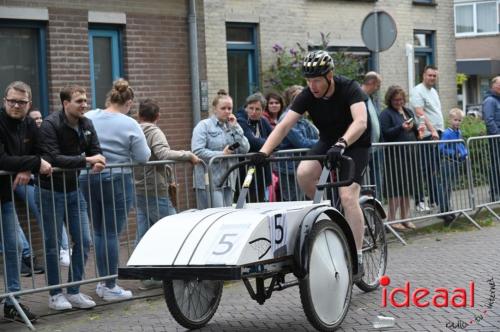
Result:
{"points": [[278, 229], [226, 243]]}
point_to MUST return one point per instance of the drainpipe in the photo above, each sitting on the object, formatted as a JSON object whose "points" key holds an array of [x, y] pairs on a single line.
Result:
{"points": [[195, 74], [411, 65]]}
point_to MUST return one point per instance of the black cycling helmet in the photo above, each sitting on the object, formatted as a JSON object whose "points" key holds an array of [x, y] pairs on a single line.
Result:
{"points": [[317, 63]]}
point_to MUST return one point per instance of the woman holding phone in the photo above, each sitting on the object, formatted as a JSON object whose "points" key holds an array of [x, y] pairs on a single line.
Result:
{"points": [[217, 136], [398, 125]]}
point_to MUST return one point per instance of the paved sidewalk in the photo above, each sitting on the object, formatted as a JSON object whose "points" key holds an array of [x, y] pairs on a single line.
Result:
{"points": [[448, 260]]}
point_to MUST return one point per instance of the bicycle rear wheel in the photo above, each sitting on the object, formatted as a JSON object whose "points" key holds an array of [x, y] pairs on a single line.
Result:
{"points": [[374, 249]]}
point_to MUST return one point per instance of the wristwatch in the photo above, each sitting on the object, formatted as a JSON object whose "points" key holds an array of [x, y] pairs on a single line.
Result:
{"points": [[341, 140]]}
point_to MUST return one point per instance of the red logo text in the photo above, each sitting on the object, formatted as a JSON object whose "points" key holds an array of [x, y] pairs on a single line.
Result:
{"points": [[423, 297]]}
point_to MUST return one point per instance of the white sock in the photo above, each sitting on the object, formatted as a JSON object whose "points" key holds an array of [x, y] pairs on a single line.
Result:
{"points": [[360, 256]]}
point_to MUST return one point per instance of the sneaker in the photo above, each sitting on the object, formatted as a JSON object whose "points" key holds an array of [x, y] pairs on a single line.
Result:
{"points": [[448, 219], [100, 289], [10, 312], [64, 258], [25, 269], [150, 284], [37, 268], [115, 293], [421, 207], [59, 302], [80, 300]]}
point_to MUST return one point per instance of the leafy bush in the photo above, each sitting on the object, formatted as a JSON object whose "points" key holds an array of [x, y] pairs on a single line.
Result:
{"points": [[286, 69], [472, 126]]}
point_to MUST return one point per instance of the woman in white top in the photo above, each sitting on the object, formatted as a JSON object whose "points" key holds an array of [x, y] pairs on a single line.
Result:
{"points": [[110, 194]]}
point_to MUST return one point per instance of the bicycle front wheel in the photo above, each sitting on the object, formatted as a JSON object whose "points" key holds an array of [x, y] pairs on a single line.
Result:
{"points": [[326, 290], [374, 249], [192, 303]]}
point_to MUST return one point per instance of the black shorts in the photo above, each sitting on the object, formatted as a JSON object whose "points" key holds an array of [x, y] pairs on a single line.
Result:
{"points": [[359, 155]]}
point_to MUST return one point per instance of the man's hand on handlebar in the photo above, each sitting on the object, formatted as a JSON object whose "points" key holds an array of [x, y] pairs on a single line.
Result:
{"points": [[259, 158], [334, 154]]}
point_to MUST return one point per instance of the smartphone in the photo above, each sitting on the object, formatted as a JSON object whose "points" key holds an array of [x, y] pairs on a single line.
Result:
{"points": [[234, 146], [409, 121]]}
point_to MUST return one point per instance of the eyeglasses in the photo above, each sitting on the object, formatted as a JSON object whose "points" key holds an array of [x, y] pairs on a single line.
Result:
{"points": [[13, 102]]}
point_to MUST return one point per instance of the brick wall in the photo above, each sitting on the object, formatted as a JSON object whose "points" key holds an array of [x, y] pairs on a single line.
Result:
{"points": [[67, 52], [156, 62]]}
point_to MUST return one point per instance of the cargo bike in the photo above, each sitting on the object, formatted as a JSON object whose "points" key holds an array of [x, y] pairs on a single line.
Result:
{"points": [[309, 240]]}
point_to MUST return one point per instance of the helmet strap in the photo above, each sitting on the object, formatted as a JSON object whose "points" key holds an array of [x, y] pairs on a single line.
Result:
{"points": [[329, 84]]}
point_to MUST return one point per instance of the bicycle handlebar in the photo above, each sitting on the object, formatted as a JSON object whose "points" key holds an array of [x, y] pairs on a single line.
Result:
{"points": [[319, 186]]}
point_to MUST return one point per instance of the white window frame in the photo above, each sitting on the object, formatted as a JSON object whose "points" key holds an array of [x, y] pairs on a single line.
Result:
{"points": [[474, 19]]}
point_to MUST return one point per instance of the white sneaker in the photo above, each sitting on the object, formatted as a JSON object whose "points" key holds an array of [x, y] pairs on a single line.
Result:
{"points": [[115, 293], [421, 207], [59, 302], [99, 289], [80, 300], [64, 258]]}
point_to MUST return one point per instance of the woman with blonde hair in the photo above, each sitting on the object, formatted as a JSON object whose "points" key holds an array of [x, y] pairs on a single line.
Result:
{"points": [[219, 135], [110, 194]]}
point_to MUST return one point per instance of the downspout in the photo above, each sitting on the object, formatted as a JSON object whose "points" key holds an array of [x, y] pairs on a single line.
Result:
{"points": [[195, 74], [410, 55]]}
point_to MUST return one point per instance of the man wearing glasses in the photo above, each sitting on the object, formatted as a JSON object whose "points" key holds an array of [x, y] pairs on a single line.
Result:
{"points": [[18, 154], [69, 141]]}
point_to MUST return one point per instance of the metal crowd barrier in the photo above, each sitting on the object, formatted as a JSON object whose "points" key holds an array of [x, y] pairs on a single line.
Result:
{"points": [[418, 181], [116, 193], [485, 172]]}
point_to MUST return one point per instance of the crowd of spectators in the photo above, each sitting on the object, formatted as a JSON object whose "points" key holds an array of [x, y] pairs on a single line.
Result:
{"points": [[91, 202]]}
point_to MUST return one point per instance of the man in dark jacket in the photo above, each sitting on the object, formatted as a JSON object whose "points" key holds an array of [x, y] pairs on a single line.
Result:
{"points": [[491, 116], [69, 141], [18, 154]]}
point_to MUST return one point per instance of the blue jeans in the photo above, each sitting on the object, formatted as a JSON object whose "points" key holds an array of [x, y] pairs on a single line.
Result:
{"points": [[450, 174], [149, 210], [220, 197], [27, 194], [12, 247], [56, 207], [110, 197]]}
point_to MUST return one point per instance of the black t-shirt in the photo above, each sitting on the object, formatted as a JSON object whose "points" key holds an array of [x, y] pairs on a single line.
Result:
{"points": [[333, 116]]}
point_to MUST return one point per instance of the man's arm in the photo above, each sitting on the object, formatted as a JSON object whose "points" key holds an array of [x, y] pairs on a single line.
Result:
{"points": [[489, 107], [359, 123], [280, 131], [51, 151], [419, 111]]}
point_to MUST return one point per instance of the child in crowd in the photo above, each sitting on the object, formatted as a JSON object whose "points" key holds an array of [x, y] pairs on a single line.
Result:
{"points": [[453, 156]]}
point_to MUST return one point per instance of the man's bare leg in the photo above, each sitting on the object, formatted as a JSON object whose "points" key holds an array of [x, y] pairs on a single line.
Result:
{"points": [[349, 197], [308, 174]]}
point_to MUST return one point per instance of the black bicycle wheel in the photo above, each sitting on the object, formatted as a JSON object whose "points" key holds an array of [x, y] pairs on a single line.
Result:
{"points": [[326, 290], [374, 249], [192, 303]]}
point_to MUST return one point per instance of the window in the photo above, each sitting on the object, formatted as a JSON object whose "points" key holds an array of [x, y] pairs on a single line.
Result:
{"points": [[105, 62], [423, 44], [476, 18], [242, 61], [424, 2], [23, 58]]}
